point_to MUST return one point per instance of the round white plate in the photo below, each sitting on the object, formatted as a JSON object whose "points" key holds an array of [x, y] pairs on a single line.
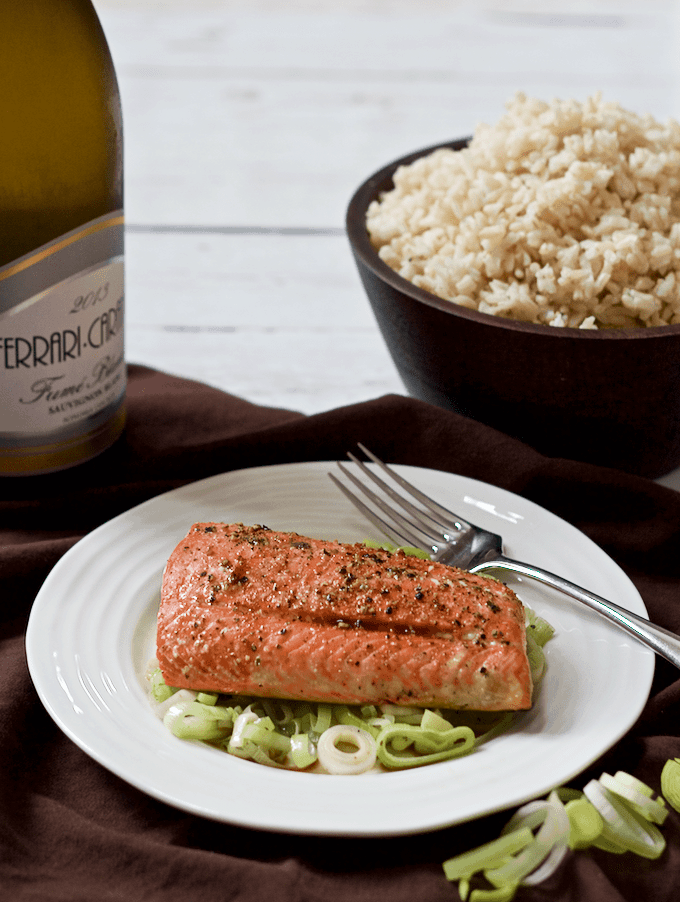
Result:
{"points": [[91, 635]]}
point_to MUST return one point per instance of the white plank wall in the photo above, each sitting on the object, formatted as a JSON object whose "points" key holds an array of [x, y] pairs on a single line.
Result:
{"points": [[249, 123]]}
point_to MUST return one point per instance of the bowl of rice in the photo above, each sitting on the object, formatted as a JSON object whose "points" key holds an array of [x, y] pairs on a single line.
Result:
{"points": [[529, 277]]}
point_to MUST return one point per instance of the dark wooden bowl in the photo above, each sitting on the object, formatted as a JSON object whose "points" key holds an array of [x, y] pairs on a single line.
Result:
{"points": [[609, 397]]}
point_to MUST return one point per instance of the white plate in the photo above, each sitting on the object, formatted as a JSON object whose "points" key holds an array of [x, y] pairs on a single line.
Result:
{"points": [[91, 634]]}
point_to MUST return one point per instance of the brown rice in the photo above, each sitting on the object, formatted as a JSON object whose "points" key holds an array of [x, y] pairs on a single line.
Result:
{"points": [[563, 214]]}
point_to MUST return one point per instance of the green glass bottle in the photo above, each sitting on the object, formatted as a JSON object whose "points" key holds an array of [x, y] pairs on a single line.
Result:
{"points": [[62, 360]]}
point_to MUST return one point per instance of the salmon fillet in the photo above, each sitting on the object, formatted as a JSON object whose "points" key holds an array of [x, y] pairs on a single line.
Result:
{"points": [[245, 609]]}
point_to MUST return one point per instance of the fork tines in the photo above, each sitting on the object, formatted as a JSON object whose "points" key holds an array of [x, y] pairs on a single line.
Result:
{"points": [[425, 525]]}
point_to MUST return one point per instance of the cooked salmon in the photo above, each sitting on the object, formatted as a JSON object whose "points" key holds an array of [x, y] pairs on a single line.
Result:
{"points": [[245, 609]]}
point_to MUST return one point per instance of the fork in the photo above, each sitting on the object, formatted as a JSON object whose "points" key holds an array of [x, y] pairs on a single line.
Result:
{"points": [[452, 540]]}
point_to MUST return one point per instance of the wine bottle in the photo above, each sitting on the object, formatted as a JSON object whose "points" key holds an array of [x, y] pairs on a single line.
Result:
{"points": [[62, 361]]}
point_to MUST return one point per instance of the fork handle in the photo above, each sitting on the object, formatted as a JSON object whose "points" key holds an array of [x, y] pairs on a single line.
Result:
{"points": [[662, 641]]}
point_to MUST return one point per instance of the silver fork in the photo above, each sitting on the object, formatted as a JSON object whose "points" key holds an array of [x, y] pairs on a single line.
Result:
{"points": [[452, 540]]}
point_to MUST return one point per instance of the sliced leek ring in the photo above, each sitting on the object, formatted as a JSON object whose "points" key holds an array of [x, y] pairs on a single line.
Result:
{"points": [[623, 826], [670, 782], [652, 809]]}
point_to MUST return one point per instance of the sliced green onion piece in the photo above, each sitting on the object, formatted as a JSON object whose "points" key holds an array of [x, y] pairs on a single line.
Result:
{"points": [[160, 691], [324, 717], [490, 855], [356, 759], [547, 850], [629, 780], [405, 714], [280, 712], [345, 716], [256, 753], [531, 815], [219, 712], [182, 695], [303, 722], [433, 721], [302, 710], [187, 720], [415, 552], [538, 628], [536, 657], [430, 745], [549, 865], [407, 549], [256, 738], [609, 845], [622, 826], [651, 809], [266, 737], [236, 741], [302, 751], [585, 821], [670, 782]]}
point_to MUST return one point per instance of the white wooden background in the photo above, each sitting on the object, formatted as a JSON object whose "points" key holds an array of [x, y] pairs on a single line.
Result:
{"points": [[249, 123]]}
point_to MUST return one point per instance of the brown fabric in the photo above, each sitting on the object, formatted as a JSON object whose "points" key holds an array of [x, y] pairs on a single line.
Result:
{"points": [[71, 831]]}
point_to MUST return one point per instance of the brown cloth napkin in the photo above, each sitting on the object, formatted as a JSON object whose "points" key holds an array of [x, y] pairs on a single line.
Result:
{"points": [[72, 831]]}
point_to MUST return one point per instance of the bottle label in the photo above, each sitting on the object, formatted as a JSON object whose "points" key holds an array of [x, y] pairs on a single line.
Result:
{"points": [[62, 359]]}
